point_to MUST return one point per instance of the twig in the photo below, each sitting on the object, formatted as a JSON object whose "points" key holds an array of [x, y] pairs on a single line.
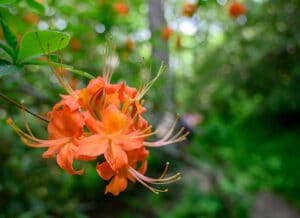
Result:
{"points": [[20, 106]]}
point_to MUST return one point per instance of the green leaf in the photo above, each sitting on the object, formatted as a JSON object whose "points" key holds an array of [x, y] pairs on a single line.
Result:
{"points": [[9, 36], [7, 49], [39, 43], [36, 6], [5, 2], [9, 69]]}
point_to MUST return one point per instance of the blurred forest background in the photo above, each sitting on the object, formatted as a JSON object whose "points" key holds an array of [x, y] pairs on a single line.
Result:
{"points": [[233, 79]]}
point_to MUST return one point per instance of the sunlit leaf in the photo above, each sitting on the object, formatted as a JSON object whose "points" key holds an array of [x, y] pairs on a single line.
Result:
{"points": [[36, 6], [38, 43]]}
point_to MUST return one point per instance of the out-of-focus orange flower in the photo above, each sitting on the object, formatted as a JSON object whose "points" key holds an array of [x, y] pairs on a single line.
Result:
{"points": [[189, 9], [166, 33], [236, 9], [121, 8], [31, 18], [106, 120], [75, 44], [129, 45]]}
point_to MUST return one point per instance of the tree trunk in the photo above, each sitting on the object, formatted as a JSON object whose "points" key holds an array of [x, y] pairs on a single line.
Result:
{"points": [[160, 54]]}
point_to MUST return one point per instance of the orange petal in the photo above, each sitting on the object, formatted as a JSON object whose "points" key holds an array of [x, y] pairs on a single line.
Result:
{"points": [[116, 157], [114, 120], [91, 123], [137, 155], [95, 84], [141, 123], [91, 146], [71, 101], [84, 98], [116, 185], [105, 171], [65, 123], [113, 99], [65, 159], [112, 88], [127, 93], [53, 150], [128, 144]]}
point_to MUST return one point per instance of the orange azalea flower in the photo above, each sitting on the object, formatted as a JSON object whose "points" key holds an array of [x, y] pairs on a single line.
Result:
{"points": [[121, 8], [236, 9], [103, 119], [189, 9], [166, 33]]}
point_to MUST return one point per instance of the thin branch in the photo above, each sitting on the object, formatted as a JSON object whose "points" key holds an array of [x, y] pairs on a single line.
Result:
{"points": [[20, 106]]}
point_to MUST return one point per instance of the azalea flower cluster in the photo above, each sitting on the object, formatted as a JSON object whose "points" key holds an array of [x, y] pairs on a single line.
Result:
{"points": [[103, 121]]}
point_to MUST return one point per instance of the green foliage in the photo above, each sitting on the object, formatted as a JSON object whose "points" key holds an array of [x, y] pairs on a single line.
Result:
{"points": [[10, 38], [36, 6], [35, 44], [5, 2]]}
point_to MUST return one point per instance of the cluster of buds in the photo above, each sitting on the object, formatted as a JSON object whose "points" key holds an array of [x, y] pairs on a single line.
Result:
{"points": [[103, 121]]}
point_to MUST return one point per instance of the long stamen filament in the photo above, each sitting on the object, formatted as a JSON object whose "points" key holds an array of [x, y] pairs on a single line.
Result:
{"points": [[31, 140], [146, 86], [26, 122], [168, 138], [146, 135], [146, 181], [165, 170], [170, 131]]}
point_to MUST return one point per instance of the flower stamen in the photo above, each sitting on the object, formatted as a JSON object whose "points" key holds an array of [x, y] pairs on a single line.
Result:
{"points": [[146, 181], [169, 139]]}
